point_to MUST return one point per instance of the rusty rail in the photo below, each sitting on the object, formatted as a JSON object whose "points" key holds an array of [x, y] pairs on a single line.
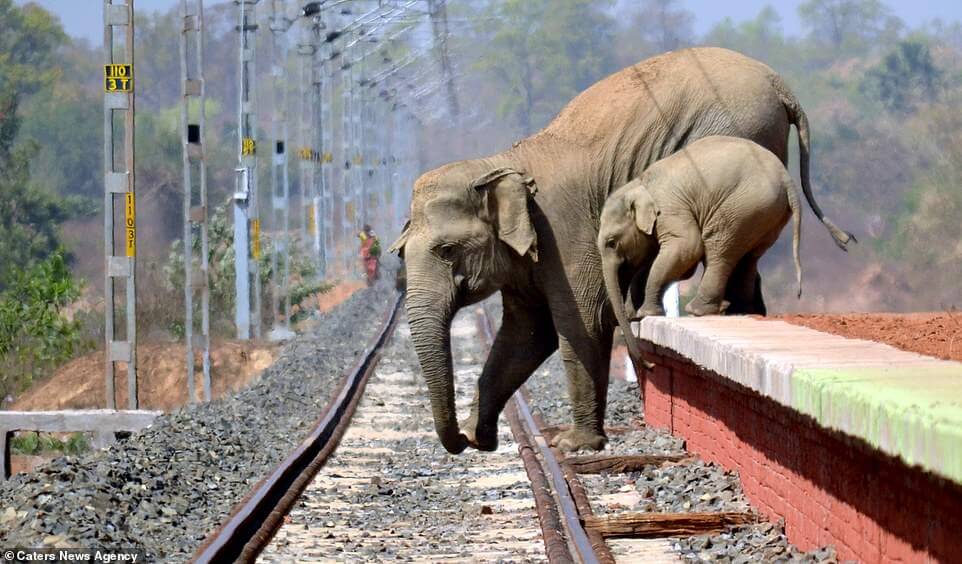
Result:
{"points": [[257, 517], [565, 507]]}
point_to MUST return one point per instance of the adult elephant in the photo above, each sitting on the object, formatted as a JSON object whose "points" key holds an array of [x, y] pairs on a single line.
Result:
{"points": [[525, 222]]}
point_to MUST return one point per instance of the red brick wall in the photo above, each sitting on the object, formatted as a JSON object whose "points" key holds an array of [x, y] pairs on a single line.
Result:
{"points": [[829, 488]]}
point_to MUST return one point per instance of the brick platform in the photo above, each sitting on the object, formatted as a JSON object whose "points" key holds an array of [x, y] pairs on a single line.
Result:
{"points": [[852, 443]]}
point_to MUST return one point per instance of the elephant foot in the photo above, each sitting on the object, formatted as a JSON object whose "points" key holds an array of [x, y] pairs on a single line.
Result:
{"points": [[576, 439], [699, 307], [481, 437], [647, 311]]}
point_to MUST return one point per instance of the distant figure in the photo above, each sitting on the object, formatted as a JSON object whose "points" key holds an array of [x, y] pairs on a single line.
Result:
{"points": [[370, 253]]}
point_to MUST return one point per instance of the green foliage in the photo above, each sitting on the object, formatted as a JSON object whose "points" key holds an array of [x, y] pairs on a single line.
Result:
{"points": [[659, 26], [906, 78], [541, 53], [760, 37], [66, 123], [33, 443], [849, 26], [303, 283], [35, 336], [29, 218], [30, 37]]}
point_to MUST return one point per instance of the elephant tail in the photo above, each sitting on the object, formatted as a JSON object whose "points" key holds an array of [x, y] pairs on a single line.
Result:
{"points": [[797, 116], [795, 205]]}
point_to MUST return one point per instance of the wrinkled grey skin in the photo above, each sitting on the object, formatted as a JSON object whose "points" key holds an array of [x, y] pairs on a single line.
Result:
{"points": [[525, 222], [721, 201]]}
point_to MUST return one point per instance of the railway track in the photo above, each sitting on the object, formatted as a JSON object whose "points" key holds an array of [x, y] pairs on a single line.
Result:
{"points": [[391, 492], [257, 517], [581, 536]]}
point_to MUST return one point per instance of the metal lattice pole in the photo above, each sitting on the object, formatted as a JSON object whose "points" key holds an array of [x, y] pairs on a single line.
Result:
{"points": [[306, 49], [363, 142], [347, 152], [246, 221], [305, 55], [119, 98], [317, 124], [195, 205], [280, 184], [357, 170], [327, 156]]}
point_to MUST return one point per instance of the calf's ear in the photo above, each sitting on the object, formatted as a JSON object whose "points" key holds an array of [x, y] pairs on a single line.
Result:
{"points": [[504, 203], [645, 210]]}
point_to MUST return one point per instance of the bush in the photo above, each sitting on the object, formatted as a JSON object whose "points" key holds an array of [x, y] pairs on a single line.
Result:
{"points": [[303, 281], [35, 336], [32, 443]]}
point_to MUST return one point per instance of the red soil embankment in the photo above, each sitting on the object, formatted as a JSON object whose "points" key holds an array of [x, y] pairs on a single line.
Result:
{"points": [[937, 334]]}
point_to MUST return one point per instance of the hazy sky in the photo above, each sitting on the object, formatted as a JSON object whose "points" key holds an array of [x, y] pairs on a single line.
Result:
{"points": [[84, 17]]}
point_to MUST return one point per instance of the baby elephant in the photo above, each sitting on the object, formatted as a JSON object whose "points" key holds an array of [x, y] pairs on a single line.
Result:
{"points": [[722, 201]]}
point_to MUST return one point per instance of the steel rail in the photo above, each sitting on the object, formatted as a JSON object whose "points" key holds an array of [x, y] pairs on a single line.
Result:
{"points": [[552, 529], [257, 517], [569, 510]]}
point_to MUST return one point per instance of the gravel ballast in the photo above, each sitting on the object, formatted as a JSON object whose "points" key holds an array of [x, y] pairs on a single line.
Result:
{"points": [[690, 486], [392, 493], [162, 490]]}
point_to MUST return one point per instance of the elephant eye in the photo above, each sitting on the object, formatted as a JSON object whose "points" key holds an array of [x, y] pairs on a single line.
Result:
{"points": [[610, 243], [447, 251]]}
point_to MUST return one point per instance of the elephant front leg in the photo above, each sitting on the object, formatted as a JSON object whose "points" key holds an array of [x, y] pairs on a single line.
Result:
{"points": [[673, 263], [587, 373], [525, 339]]}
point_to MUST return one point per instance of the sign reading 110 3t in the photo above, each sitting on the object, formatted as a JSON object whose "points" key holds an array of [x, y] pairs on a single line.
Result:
{"points": [[119, 78]]}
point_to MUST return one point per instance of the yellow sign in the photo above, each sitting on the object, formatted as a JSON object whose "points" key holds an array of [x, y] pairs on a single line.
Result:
{"points": [[130, 225], [309, 154], [256, 236], [310, 219], [328, 157], [248, 146], [119, 78]]}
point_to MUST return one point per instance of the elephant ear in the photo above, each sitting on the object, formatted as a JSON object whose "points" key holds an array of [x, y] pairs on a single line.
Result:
{"points": [[505, 193], [398, 246], [645, 210]]}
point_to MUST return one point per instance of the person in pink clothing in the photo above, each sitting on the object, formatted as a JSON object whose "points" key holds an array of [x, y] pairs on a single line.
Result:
{"points": [[370, 253]]}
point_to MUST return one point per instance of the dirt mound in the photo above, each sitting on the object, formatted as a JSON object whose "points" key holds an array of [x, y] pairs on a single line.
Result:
{"points": [[937, 334], [79, 384]]}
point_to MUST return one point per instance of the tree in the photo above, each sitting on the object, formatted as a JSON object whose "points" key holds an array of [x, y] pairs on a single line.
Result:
{"points": [[905, 78], [541, 53], [34, 334], [29, 38], [761, 38], [664, 25], [848, 25], [29, 218]]}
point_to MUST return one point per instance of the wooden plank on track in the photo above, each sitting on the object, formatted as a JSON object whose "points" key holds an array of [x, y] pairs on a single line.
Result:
{"points": [[619, 464], [655, 525]]}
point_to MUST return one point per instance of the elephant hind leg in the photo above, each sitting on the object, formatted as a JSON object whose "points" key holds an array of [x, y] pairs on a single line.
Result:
{"points": [[744, 290], [710, 298]]}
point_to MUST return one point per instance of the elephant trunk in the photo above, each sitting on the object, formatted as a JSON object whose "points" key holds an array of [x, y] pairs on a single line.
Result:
{"points": [[430, 315], [613, 288]]}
